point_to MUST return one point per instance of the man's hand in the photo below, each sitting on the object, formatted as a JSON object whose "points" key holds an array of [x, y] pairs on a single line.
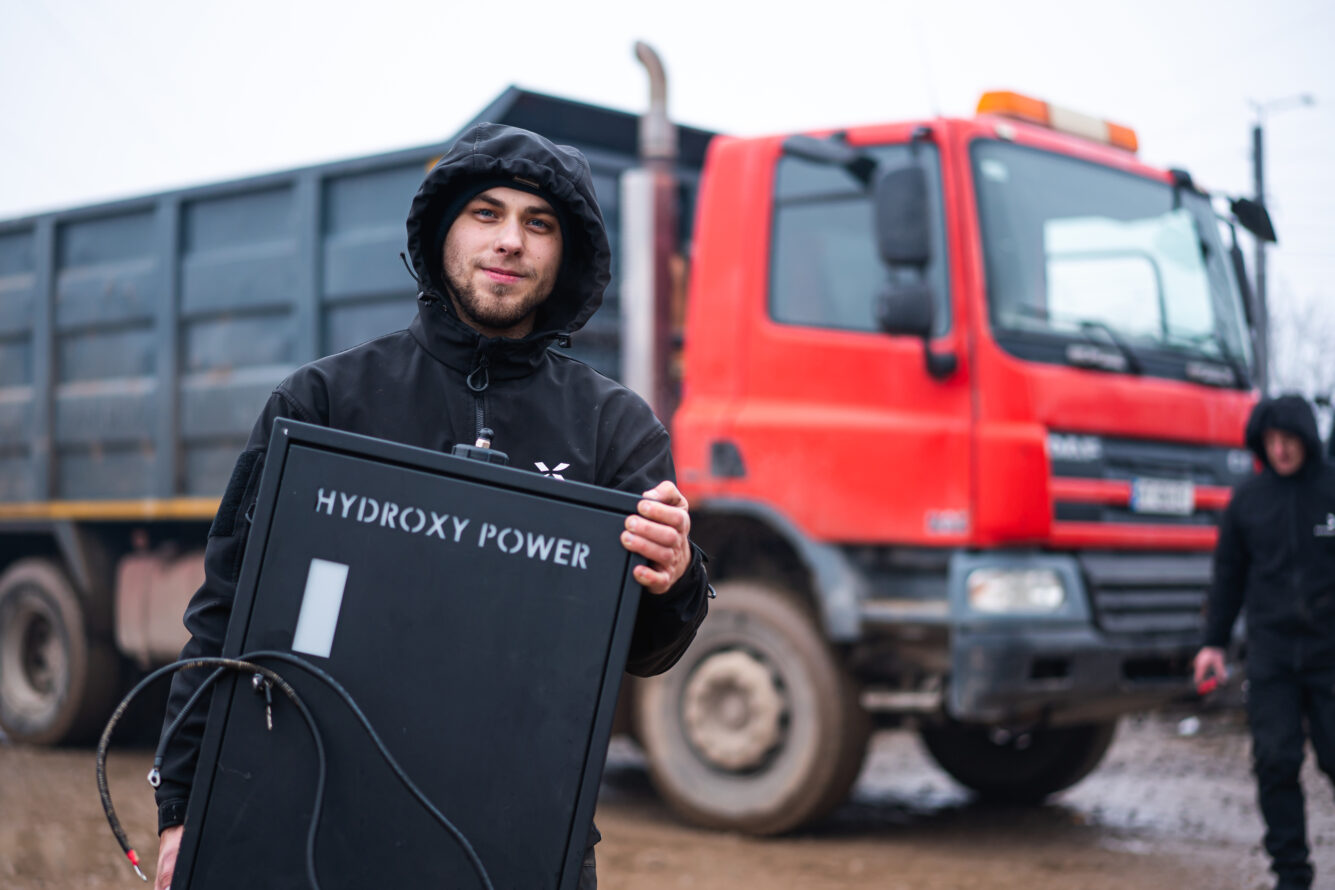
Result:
{"points": [[659, 532], [1209, 661], [169, 844]]}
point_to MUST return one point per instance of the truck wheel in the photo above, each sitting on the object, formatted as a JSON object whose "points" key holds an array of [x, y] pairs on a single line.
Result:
{"points": [[1022, 767], [55, 684], [758, 728]]}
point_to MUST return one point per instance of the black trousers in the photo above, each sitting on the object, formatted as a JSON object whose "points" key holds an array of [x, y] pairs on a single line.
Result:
{"points": [[1289, 696]]}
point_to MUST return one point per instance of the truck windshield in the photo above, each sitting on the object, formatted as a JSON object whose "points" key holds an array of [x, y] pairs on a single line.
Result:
{"points": [[1076, 251]]}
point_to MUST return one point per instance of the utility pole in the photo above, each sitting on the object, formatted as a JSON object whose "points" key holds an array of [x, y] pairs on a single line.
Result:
{"points": [[1258, 183]]}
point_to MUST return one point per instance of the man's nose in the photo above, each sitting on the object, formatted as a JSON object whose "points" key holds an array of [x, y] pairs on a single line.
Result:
{"points": [[510, 237]]}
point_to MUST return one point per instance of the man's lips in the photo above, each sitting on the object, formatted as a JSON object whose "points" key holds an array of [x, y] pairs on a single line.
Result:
{"points": [[505, 276]]}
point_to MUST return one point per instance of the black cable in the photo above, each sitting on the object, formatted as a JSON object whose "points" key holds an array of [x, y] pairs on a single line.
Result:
{"points": [[223, 664], [473, 859], [154, 776], [244, 665], [241, 664]]}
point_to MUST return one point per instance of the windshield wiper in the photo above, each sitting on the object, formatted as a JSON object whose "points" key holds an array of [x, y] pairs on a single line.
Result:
{"points": [[1208, 373], [1133, 362], [1125, 359], [1234, 362]]}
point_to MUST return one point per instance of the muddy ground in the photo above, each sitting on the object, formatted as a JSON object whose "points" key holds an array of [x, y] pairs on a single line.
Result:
{"points": [[1166, 809]]}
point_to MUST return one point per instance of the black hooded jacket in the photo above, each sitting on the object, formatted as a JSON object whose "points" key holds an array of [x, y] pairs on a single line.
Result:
{"points": [[437, 383], [1276, 550]]}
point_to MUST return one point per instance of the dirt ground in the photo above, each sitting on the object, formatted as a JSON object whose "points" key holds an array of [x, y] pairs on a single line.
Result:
{"points": [[1170, 807]]}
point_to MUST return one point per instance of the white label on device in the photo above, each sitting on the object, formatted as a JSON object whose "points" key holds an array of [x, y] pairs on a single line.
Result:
{"points": [[319, 608]]}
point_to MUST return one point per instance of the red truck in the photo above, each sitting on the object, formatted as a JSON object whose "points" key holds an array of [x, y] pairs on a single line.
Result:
{"points": [[960, 403]]}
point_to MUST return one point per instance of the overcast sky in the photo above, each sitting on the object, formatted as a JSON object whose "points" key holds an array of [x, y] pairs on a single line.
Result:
{"points": [[102, 99]]}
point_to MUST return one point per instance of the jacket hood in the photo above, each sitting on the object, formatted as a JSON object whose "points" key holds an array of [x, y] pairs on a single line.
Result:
{"points": [[494, 151], [1292, 414]]}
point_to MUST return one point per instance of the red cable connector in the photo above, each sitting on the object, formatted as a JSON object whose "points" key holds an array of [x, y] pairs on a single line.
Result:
{"points": [[134, 860]]}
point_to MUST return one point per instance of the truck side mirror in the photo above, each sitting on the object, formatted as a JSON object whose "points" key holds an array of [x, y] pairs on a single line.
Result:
{"points": [[1253, 217], [832, 152], [906, 308], [904, 241], [1244, 285], [900, 201]]}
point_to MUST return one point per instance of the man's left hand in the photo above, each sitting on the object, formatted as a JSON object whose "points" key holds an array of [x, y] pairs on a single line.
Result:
{"points": [[659, 531]]}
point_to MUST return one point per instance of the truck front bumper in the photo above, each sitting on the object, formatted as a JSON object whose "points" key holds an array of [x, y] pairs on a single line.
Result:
{"points": [[1056, 666], [1060, 675]]}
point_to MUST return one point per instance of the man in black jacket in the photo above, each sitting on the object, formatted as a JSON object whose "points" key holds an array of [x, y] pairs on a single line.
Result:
{"points": [[512, 256], [1276, 558]]}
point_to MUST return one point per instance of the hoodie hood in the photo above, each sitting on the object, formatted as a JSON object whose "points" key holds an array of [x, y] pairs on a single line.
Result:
{"points": [[493, 151], [1292, 414]]}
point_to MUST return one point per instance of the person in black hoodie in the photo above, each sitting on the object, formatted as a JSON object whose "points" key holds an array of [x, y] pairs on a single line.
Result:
{"points": [[1276, 558], [511, 255]]}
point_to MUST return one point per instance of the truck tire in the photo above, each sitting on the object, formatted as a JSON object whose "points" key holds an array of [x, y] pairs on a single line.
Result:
{"points": [[56, 685], [1023, 767], [758, 728]]}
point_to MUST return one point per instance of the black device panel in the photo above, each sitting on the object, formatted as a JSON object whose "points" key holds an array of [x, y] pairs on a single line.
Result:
{"points": [[481, 619]]}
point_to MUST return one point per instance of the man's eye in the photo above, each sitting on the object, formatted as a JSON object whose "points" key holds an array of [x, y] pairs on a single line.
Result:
{"points": [[484, 212], [541, 224]]}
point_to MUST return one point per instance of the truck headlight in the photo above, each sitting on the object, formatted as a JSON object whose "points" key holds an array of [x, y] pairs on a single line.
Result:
{"points": [[1015, 590]]}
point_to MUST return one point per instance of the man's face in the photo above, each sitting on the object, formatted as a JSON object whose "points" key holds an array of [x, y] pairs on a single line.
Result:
{"points": [[501, 259], [1284, 451]]}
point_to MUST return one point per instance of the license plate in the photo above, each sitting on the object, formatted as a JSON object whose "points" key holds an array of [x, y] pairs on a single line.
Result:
{"points": [[1171, 497]]}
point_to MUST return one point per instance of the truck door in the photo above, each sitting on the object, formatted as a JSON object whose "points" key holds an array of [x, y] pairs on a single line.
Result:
{"points": [[842, 427]]}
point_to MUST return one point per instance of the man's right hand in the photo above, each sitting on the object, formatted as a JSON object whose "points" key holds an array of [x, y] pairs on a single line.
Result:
{"points": [[1209, 662], [169, 844]]}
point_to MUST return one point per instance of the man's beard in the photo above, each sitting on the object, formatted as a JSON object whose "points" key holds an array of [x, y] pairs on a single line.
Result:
{"points": [[483, 304], [500, 317]]}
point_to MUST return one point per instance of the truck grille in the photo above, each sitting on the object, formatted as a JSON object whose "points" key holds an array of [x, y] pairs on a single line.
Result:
{"points": [[1138, 594], [1091, 460]]}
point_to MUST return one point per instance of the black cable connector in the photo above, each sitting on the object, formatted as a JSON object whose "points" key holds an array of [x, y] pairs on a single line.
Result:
{"points": [[263, 680]]}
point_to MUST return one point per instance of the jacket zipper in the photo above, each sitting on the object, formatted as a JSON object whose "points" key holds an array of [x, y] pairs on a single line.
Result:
{"points": [[478, 380], [1295, 529]]}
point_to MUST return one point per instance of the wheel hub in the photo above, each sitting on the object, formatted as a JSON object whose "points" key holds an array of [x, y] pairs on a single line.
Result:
{"points": [[33, 666], [732, 710], [36, 653]]}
